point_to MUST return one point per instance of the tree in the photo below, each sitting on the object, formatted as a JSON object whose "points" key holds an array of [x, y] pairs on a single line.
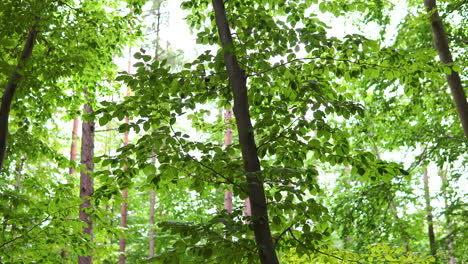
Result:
{"points": [[429, 215], [256, 191], [10, 89], [86, 181], [74, 143], [228, 143], [335, 127], [124, 206], [453, 78]]}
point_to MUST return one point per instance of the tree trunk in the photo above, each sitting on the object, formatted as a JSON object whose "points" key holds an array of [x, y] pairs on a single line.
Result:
{"points": [[443, 176], [453, 79], [71, 170], [429, 216], [228, 142], [124, 206], [19, 172], [152, 232], [403, 232], [86, 181], [123, 225], [393, 208], [74, 143], [10, 92], [256, 191]]}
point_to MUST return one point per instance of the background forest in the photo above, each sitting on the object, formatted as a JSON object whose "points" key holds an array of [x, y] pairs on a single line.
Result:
{"points": [[298, 131]]}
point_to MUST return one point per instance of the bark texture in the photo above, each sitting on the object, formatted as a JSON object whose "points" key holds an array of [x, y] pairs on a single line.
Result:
{"points": [[256, 191], [10, 90], [429, 215], [453, 79], [86, 181]]}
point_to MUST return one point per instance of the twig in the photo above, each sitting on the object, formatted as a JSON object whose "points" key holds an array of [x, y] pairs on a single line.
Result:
{"points": [[315, 58], [32, 228], [201, 163], [280, 235], [321, 252]]}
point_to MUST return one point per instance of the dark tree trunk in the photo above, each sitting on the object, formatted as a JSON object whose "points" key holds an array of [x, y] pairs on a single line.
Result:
{"points": [[453, 79], [86, 181], [10, 90], [429, 216], [256, 191]]}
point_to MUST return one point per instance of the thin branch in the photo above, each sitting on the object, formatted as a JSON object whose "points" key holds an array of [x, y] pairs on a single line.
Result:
{"points": [[66, 4], [281, 133], [318, 251], [33, 227], [315, 58], [232, 242], [280, 235], [422, 156], [108, 129], [201, 163]]}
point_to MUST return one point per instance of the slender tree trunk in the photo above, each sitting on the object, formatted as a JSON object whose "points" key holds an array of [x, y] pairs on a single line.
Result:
{"points": [[123, 225], [73, 147], [348, 241], [124, 206], [393, 208], [256, 191], [73, 154], [152, 232], [453, 79], [228, 142], [403, 232], [86, 181], [10, 90], [429, 216], [14, 205], [123, 210], [443, 176], [19, 173]]}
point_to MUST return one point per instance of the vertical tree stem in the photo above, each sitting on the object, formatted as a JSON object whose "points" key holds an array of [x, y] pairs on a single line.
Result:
{"points": [[429, 216], [228, 142], [86, 181], [10, 90], [453, 79], [256, 191]]}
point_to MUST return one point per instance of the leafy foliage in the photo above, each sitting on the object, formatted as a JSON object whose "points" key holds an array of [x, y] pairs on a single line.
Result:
{"points": [[362, 112]]}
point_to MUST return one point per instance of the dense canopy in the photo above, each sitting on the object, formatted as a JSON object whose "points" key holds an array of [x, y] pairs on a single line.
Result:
{"points": [[302, 131]]}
